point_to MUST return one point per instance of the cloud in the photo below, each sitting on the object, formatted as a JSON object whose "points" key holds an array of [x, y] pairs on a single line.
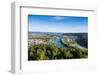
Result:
{"points": [[58, 18]]}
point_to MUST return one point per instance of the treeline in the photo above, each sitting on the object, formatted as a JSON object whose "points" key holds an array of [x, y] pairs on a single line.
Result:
{"points": [[51, 52]]}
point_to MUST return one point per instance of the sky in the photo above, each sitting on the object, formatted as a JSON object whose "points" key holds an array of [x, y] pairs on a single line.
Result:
{"points": [[63, 24]]}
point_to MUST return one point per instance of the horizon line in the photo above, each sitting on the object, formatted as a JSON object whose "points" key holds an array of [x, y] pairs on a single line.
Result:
{"points": [[58, 32]]}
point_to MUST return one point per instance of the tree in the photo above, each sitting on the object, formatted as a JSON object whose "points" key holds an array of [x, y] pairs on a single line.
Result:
{"points": [[68, 54], [41, 55]]}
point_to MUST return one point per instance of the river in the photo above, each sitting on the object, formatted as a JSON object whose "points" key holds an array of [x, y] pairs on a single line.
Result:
{"points": [[57, 42]]}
